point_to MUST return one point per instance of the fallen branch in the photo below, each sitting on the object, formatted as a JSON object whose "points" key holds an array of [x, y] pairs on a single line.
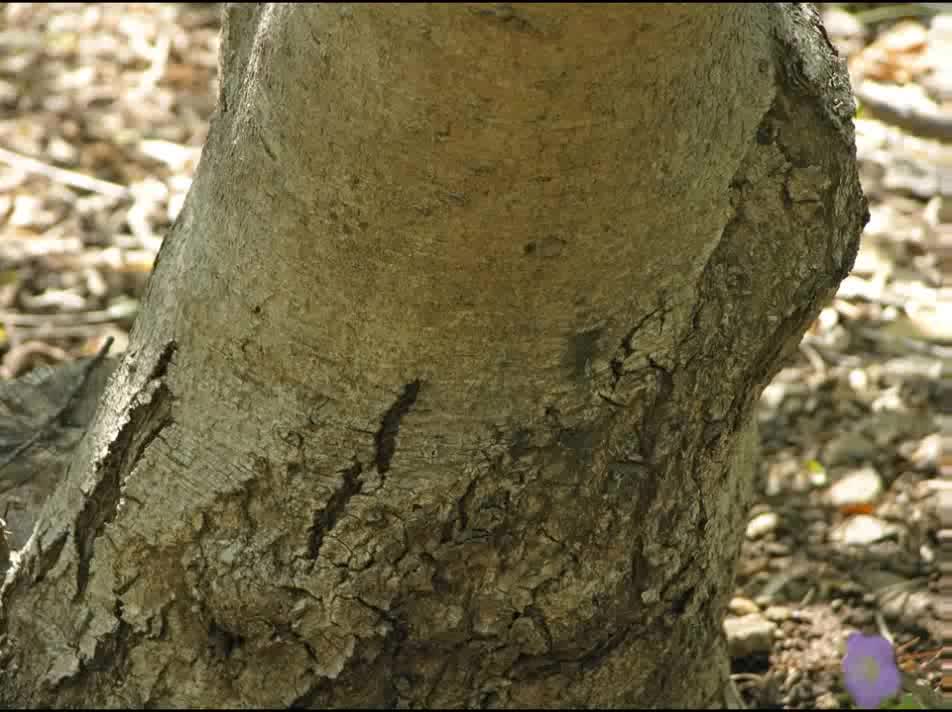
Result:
{"points": [[61, 175], [116, 312], [878, 100]]}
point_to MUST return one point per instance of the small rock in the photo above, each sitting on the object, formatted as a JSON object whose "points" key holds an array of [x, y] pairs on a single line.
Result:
{"points": [[740, 606], [861, 486], [762, 524], [842, 24], [749, 635], [938, 45], [847, 448], [30, 211], [827, 701], [777, 614], [861, 530], [858, 380], [772, 395]]}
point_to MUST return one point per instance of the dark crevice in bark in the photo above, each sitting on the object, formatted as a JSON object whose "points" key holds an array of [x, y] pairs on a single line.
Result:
{"points": [[387, 657], [603, 649], [580, 442], [326, 519], [538, 619], [462, 505], [581, 353], [655, 419], [521, 443], [222, 642], [609, 401], [684, 579], [680, 605], [386, 438], [626, 347], [109, 658], [308, 699], [147, 417], [541, 666], [47, 559], [285, 631]]}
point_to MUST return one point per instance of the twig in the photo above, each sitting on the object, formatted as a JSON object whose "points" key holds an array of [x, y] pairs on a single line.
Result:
{"points": [[816, 361], [120, 310], [808, 597], [895, 12], [887, 298], [61, 175], [52, 331], [942, 353], [17, 356], [927, 124]]}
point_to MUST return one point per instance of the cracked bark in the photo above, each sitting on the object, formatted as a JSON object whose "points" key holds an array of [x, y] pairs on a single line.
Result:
{"points": [[327, 517], [386, 437], [149, 414], [459, 407]]}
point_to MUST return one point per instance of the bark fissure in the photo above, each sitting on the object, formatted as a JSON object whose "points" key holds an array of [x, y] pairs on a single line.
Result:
{"points": [[385, 439], [109, 656], [310, 697], [326, 519], [149, 415], [222, 643], [626, 348], [655, 420], [47, 558]]}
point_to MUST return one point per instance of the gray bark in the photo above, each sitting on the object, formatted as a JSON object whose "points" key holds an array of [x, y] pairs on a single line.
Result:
{"points": [[441, 394]]}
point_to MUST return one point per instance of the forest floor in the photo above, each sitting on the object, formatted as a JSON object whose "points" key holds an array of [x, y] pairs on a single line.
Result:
{"points": [[843, 533]]}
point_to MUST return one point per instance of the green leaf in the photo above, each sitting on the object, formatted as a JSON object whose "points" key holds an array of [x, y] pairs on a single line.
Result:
{"points": [[908, 702]]}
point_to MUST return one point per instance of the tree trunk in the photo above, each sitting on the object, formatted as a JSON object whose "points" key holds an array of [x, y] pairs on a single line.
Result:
{"points": [[442, 390]]}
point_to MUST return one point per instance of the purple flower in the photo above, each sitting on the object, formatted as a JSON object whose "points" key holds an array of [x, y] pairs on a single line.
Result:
{"points": [[869, 670]]}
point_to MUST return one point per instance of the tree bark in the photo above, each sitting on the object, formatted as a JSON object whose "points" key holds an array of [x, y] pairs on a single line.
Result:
{"points": [[441, 394]]}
